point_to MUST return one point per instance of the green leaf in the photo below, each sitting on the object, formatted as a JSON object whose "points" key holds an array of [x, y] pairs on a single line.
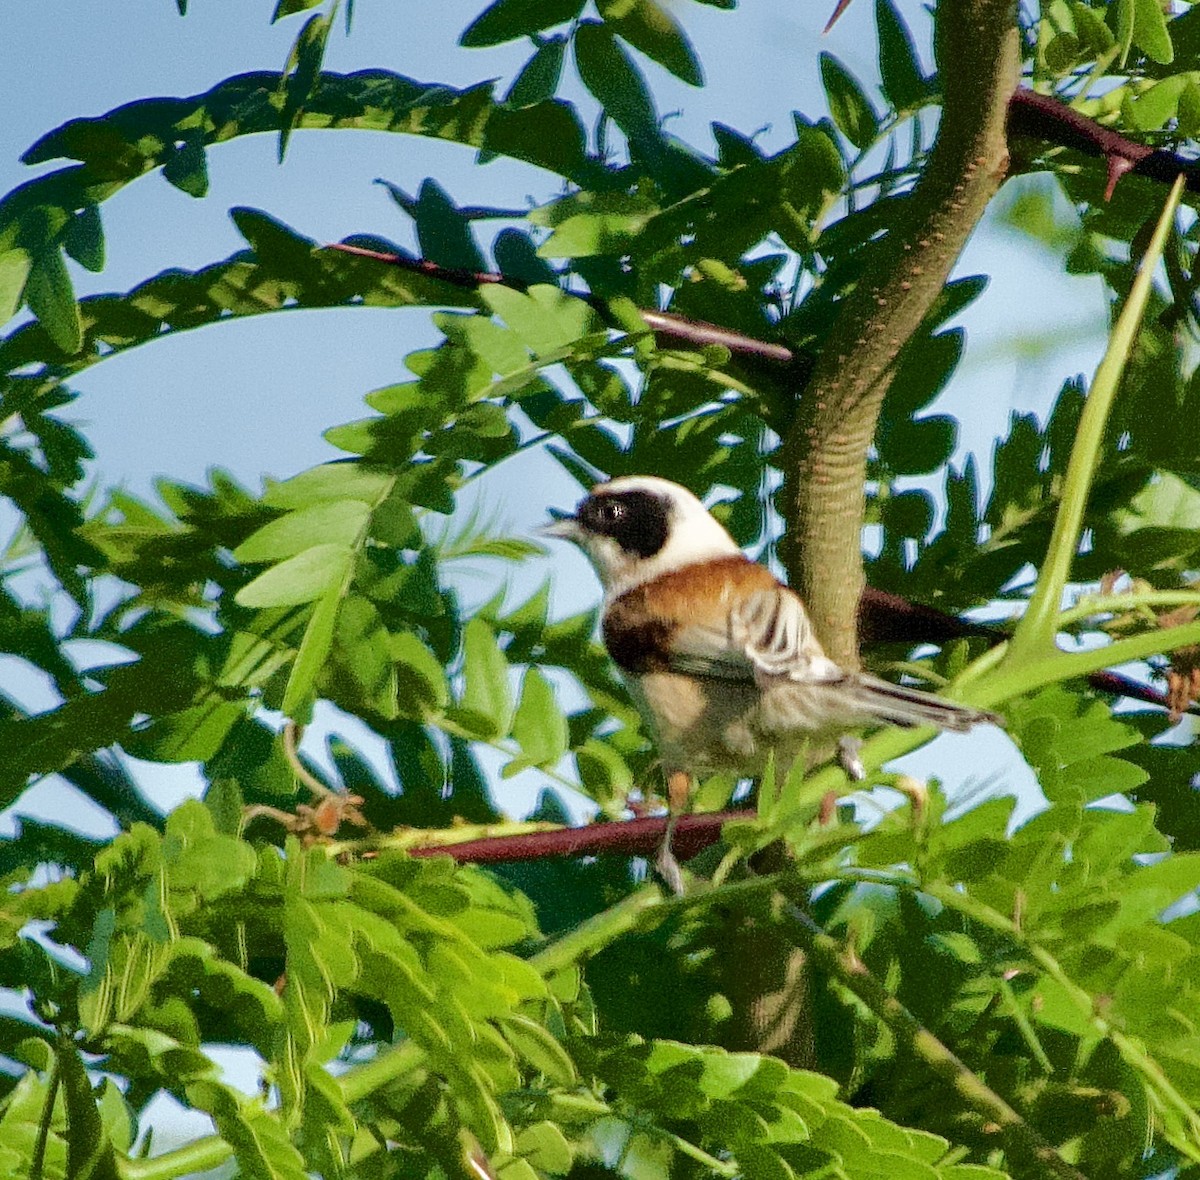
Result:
{"points": [[301, 74], [506, 20], [539, 77], [444, 234], [14, 270], [544, 318], [190, 735], [90, 1152], [1150, 33], [849, 106], [257, 1136], [614, 81], [1154, 107], [1188, 111], [1161, 520], [903, 83], [314, 650], [539, 727], [925, 366], [546, 1148], [585, 224], [812, 175], [339, 522], [421, 680], [652, 29], [1126, 11], [604, 773], [538, 1047], [291, 7], [1090, 26], [299, 579], [330, 481], [517, 256], [83, 239], [51, 298], [918, 446], [187, 167], [364, 657], [487, 694]]}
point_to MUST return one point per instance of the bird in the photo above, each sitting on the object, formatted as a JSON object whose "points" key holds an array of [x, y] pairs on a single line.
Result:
{"points": [[719, 655]]}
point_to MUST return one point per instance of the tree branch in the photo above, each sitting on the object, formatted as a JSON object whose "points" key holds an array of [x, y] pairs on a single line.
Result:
{"points": [[825, 451], [670, 330], [1037, 116], [632, 837]]}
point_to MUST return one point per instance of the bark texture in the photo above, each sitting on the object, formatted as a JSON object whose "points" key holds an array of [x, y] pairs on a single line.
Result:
{"points": [[825, 451]]}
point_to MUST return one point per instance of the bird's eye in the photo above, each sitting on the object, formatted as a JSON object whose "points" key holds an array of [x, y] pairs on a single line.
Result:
{"points": [[611, 511]]}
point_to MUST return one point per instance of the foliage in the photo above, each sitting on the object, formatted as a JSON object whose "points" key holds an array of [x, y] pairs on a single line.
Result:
{"points": [[417, 1017]]}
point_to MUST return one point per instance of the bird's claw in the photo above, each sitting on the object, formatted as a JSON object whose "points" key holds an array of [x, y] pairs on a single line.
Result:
{"points": [[670, 871], [848, 756], [666, 864]]}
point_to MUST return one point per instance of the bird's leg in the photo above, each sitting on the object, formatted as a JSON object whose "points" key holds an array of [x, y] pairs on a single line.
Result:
{"points": [[848, 756], [679, 788]]}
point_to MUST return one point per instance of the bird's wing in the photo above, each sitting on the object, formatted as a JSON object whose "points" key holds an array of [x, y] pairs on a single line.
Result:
{"points": [[764, 637], [773, 630]]}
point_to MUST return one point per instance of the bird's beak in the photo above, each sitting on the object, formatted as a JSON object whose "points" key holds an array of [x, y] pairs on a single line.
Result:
{"points": [[564, 526]]}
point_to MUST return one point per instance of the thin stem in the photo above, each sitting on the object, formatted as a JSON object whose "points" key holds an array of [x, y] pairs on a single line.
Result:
{"points": [[1009, 681], [1123, 603], [384, 1068], [685, 1147], [200, 1155], [293, 735], [1024, 1026], [597, 932], [1034, 634], [43, 1132], [417, 841]]}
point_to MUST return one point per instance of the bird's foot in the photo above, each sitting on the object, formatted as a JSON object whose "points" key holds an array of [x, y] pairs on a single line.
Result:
{"points": [[670, 871], [666, 864], [848, 756]]}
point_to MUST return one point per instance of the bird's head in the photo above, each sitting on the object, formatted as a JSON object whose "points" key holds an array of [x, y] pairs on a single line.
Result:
{"points": [[638, 527]]}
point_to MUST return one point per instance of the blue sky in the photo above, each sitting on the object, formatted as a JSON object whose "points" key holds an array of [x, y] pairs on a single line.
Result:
{"points": [[254, 397]]}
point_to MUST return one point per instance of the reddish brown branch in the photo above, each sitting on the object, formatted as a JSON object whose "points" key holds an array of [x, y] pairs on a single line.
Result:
{"points": [[1037, 116], [634, 837], [670, 330]]}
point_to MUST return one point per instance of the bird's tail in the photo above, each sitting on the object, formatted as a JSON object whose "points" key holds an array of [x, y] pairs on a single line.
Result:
{"points": [[883, 701]]}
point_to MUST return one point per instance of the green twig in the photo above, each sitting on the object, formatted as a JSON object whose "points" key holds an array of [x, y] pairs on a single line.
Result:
{"points": [[1024, 1025], [38, 1161], [592, 935], [1123, 603], [1011, 680], [1034, 635], [200, 1155], [408, 839]]}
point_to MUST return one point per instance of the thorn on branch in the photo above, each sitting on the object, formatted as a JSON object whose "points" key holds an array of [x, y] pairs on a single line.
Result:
{"points": [[842, 5], [1038, 116]]}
